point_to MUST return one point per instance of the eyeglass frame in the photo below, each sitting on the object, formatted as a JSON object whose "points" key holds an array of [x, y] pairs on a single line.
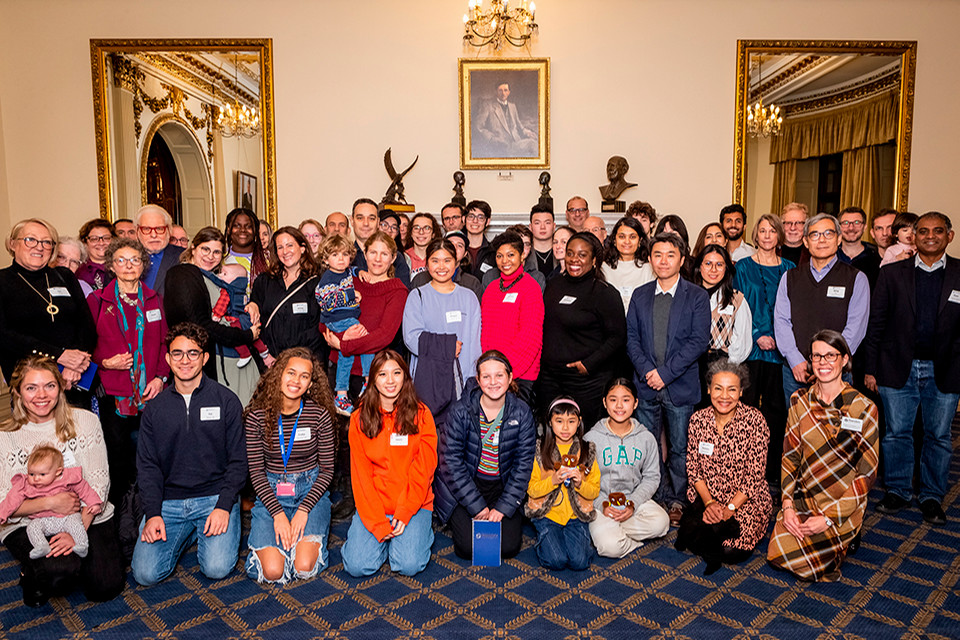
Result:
{"points": [[152, 231], [192, 355], [30, 242]]}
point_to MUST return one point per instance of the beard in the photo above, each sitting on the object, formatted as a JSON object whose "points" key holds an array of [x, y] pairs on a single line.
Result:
{"points": [[733, 235]]}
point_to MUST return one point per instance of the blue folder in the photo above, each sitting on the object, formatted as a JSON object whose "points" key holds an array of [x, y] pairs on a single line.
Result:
{"points": [[86, 380], [486, 543]]}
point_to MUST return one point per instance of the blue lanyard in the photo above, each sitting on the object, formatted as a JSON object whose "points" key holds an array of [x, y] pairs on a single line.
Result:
{"points": [[285, 453]]}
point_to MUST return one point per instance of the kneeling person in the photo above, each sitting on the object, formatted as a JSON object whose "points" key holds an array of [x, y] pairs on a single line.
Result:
{"points": [[191, 465]]}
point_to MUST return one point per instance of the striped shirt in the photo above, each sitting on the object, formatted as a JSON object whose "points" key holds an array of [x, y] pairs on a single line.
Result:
{"points": [[490, 445], [313, 447]]}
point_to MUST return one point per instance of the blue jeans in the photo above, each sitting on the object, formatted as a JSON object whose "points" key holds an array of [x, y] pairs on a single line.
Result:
{"points": [[184, 521], [900, 407], [263, 535], [345, 363], [563, 546], [790, 384], [409, 553], [673, 482]]}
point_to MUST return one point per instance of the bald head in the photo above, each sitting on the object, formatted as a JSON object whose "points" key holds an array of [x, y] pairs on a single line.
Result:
{"points": [[337, 223], [595, 225]]}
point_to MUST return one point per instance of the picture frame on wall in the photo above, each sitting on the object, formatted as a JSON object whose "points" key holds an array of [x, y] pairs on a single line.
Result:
{"points": [[246, 191], [504, 113]]}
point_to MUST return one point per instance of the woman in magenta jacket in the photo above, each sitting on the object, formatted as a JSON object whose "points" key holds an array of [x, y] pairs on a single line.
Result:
{"points": [[130, 354]]}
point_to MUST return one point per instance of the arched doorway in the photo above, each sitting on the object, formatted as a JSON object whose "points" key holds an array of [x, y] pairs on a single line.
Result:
{"points": [[163, 182], [186, 193]]}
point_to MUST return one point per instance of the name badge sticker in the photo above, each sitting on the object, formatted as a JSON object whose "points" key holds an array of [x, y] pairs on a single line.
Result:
{"points": [[705, 448], [836, 292], [568, 300], [397, 440], [59, 292], [209, 413], [485, 267], [496, 438], [851, 424], [303, 434], [153, 315], [285, 489], [454, 316], [510, 297], [69, 460], [954, 296], [299, 307]]}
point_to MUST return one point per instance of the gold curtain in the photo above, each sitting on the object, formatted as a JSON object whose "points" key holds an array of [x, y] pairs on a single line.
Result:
{"points": [[854, 131], [784, 184]]}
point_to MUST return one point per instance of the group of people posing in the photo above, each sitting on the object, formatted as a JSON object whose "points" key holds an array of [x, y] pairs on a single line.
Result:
{"points": [[604, 387]]}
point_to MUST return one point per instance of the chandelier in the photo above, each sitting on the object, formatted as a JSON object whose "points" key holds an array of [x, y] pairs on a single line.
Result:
{"points": [[763, 120], [499, 23], [237, 119]]}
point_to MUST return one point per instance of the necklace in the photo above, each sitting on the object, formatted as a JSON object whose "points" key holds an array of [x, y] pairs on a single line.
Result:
{"points": [[509, 286], [52, 309], [127, 299]]}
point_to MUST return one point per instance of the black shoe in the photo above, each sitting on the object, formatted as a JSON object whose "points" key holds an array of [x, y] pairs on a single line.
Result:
{"points": [[32, 595], [891, 504], [344, 509], [933, 512], [854, 545]]}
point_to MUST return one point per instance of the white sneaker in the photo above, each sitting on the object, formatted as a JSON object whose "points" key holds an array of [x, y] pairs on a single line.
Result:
{"points": [[242, 362]]}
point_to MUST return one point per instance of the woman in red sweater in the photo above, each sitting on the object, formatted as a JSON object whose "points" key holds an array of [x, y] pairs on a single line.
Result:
{"points": [[511, 314], [393, 455]]}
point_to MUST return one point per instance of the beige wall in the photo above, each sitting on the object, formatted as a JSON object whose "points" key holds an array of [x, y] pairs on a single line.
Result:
{"points": [[651, 80]]}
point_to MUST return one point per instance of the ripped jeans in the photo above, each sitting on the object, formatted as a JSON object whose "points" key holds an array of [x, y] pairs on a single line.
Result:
{"points": [[263, 535]]}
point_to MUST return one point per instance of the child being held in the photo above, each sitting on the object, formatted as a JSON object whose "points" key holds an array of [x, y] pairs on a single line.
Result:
{"points": [[229, 309], [904, 229], [564, 483], [340, 309], [46, 477]]}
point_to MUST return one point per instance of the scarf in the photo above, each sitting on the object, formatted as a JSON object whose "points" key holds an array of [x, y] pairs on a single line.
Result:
{"points": [[132, 405]]}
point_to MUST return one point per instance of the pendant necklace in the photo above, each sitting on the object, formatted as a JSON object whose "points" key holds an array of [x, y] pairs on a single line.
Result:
{"points": [[52, 309]]}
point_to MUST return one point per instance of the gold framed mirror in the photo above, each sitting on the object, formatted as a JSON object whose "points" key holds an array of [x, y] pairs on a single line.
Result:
{"points": [[837, 99], [187, 124]]}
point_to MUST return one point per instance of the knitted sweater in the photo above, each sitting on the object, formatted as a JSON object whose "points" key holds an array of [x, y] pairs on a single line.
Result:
{"points": [[336, 296], [87, 450], [512, 321]]}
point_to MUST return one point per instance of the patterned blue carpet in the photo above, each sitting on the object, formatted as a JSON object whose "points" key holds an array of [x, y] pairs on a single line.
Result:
{"points": [[902, 584]]}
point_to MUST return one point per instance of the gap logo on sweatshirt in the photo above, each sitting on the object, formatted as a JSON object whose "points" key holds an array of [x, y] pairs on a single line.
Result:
{"points": [[622, 457]]}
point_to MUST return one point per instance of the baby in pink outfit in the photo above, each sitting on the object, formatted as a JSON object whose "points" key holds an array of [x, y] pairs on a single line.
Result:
{"points": [[46, 477]]}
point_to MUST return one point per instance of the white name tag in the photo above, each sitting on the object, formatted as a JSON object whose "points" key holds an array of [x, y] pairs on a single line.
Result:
{"points": [[496, 438], [299, 307], [485, 267], [153, 315], [60, 292], [397, 440], [69, 460], [851, 424], [705, 448], [568, 300], [836, 292], [303, 434], [510, 297], [209, 413], [954, 296], [454, 316]]}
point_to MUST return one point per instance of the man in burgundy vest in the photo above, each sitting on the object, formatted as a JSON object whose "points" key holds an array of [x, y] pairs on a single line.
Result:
{"points": [[820, 293]]}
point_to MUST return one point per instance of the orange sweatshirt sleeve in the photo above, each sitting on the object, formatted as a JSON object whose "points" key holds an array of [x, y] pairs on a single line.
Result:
{"points": [[423, 464], [370, 507]]}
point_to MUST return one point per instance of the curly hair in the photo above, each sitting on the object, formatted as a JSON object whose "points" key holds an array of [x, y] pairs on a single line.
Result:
{"points": [[308, 265], [407, 405], [642, 253], [126, 243], [62, 414], [268, 396]]}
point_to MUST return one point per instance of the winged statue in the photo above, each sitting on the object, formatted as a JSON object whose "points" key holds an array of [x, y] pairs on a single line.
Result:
{"points": [[394, 194]]}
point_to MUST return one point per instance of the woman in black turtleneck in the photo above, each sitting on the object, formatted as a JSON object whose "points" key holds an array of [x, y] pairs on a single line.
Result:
{"points": [[584, 331], [42, 309]]}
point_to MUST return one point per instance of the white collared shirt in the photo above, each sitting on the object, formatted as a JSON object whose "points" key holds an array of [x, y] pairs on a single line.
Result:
{"points": [[672, 291], [939, 264]]}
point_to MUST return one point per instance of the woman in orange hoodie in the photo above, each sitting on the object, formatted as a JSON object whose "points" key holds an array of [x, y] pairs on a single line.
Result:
{"points": [[393, 455]]}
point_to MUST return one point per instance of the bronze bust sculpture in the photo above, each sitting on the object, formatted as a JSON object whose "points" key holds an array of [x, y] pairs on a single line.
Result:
{"points": [[458, 181], [617, 167], [545, 197]]}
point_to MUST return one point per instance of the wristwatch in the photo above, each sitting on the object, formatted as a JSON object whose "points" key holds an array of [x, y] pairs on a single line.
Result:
{"points": [[732, 507]]}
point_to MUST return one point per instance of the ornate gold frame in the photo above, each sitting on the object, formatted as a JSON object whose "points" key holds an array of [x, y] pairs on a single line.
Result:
{"points": [[99, 49], [906, 49], [542, 66]]}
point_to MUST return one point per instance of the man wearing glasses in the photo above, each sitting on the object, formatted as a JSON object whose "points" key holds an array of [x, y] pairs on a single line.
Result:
{"points": [[853, 250], [153, 231], [451, 216], [478, 247], [823, 293], [793, 216], [577, 213], [191, 466]]}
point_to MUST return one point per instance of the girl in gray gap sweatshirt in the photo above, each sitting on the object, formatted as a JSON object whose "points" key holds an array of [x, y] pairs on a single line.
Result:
{"points": [[629, 461]]}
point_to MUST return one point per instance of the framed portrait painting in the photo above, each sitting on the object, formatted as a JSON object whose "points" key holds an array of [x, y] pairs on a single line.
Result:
{"points": [[246, 191], [505, 113]]}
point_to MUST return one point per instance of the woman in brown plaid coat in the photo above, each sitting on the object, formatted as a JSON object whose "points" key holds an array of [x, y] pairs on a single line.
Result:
{"points": [[829, 465]]}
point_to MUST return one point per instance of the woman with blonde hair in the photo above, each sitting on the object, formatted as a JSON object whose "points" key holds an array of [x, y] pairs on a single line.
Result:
{"points": [[41, 415]]}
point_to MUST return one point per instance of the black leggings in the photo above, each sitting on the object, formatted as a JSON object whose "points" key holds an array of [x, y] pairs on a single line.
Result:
{"points": [[766, 393], [100, 574], [461, 523]]}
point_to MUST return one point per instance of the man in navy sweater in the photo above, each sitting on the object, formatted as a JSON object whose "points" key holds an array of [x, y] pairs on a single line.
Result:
{"points": [[192, 464]]}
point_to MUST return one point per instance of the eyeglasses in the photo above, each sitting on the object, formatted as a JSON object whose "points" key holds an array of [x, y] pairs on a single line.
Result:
{"points": [[795, 223], [30, 242], [451, 219], [476, 217], [207, 252], [135, 261], [829, 234], [99, 239], [386, 226], [191, 355], [421, 228], [152, 231], [851, 223], [827, 357], [579, 210], [70, 263], [313, 236]]}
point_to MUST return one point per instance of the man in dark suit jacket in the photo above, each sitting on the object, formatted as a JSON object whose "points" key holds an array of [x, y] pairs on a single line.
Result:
{"points": [[153, 231], [668, 329], [913, 358], [500, 131]]}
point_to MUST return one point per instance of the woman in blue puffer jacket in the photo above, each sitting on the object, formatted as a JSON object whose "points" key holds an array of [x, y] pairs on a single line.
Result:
{"points": [[486, 455]]}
